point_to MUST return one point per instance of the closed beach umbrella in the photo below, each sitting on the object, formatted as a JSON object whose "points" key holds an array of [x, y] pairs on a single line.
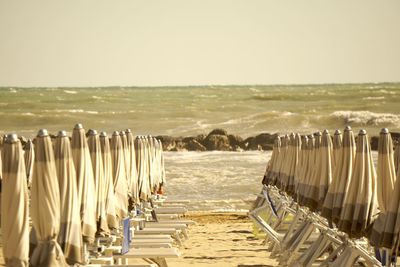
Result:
{"points": [[70, 236], [163, 178], [396, 157], [386, 174], [269, 171], [336, 148], [275, 164], [307, 171], [108, 182], [134, 191], [14, 204], [45, 205], [288, 163], [151, 164], [360, 202], [341, 178], [125, 150], [119, 176], [142, 167], [282, 162], [98, 173], [301, 167], [294, 163], [29, 157], [85, 183]]}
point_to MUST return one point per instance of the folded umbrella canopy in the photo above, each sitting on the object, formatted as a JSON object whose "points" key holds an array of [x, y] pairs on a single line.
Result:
{"points": [[385, 231], [45, 205], [70, 236], [125, 150], [301, 167], [307, 171], [14, 204], [269, 170], [142, 167], [282, 162], [396, 156], [85, 183], [152, 164], [293, 163], [386, 174], [162, 166], [336, 146], [98, 173], [134, 191], [341, 178], [108, 182], [29, 157], [360, 202], [119, 176]]}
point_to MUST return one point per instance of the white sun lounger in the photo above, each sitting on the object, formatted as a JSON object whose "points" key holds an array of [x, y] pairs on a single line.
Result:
{"points": [[158, 255]]}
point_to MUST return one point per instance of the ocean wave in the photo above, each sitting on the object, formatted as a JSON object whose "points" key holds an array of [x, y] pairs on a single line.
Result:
{"points": [[367, 118], [374, 98], [70, 92]]}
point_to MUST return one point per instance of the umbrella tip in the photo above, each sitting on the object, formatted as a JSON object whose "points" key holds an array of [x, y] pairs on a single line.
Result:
{"points": [[115, 133], [128, 131], [62, 134], [384, 131], [92, 132], [362, 132], [318, 133], [103, 134], [122, 133], [42, 133], [11, 138], [326, 131], [337, 132], [78, 126], [347, 128]]}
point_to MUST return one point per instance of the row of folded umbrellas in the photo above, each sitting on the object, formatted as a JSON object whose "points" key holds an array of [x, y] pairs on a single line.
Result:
{"points": [[335, 176], [80, 188]]}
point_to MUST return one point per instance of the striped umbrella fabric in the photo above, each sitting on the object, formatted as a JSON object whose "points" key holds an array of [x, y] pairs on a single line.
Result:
{"points": [[386, 174], [269, 170], [287, 164], [119, 176], [98, 173], [70, 236], [108, 182], [307, 171], [360, 202], [386, 228], [134, 191], [45, 205], [301, 167], [396, 156], [29, 157], [14, 204], [282, 162], [294, 163], [336, 146], [85, 183]]}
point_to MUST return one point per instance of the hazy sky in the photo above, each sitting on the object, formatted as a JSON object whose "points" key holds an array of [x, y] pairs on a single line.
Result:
{"points": [[182, 42]]}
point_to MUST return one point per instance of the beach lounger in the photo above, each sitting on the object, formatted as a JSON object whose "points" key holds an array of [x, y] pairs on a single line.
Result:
{"points": [[158, 255]]}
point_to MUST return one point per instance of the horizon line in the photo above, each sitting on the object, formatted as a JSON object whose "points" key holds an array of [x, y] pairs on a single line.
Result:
{"points": [[203, 85]]}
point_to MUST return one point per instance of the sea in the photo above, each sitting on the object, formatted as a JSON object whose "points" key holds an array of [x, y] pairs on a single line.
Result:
{"points": [[217, 181]]}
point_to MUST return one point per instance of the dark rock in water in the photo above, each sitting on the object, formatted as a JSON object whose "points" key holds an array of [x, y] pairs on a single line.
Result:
{"points": [[217, 142], [218, 132], [375, 140], [264, 141], [194, 145], [235, 140], [168, 142]]}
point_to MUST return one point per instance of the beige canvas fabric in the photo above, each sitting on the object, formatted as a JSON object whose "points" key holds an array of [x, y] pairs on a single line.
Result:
{"points": [[70, 235], [341, 178], [98, 173], [282, 161], [45, 206], [142, 165], [134, 190], [85, 183], [119, 176], [294, 164], [360, 202], [125, 150], [301, 167], [29, 156], [162, 164], [396, 157], [14, 205], [336, 148], [307, 171], [108, 182], [287, 164], [386, 174], [269, 170]]}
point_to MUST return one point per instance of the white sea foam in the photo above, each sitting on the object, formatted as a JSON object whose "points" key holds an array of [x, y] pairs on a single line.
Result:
{"points": [[70, 92], [374, 98], [367, 118]]}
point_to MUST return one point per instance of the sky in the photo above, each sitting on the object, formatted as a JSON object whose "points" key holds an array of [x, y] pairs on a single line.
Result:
{"points": [[186, 42]]}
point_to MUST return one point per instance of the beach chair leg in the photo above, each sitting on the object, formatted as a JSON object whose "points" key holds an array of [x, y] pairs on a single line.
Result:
{"points": [[332, 255], [178, 239], [185, 234], [160, 262]]}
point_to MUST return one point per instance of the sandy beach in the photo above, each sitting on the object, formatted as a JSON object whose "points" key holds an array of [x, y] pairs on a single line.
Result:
{"points": [[219, 239]]}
